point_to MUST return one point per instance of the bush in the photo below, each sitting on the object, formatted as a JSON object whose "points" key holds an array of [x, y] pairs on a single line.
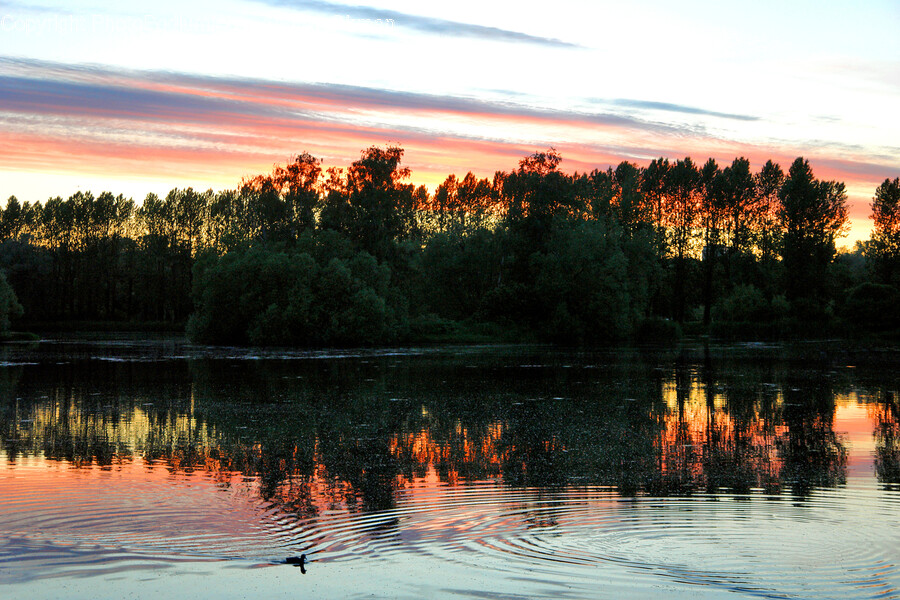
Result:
{"points": [[658, 330], [266, 297], [235, 292], [873, 307], [9, 305], [583, 283], [745, 313], [361, 321]]}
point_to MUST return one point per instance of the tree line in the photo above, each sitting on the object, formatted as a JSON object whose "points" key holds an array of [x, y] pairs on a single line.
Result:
{"points": [[311, 256]]}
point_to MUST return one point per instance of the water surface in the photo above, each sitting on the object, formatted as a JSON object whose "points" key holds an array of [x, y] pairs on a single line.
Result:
{"points": [[146, 467]]}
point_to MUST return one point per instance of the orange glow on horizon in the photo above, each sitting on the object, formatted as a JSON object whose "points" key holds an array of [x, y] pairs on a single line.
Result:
{"points": [[244, 131]]}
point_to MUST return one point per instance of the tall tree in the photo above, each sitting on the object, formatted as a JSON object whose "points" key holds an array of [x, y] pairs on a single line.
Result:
{"points": [[382, 207], [536, 193], [300, 185], [12, 219], [711, 210], [738, 194], [812, 214], [630, 207], [682, 185], [765, 221], [884, 243], [654, 189], [9, 305], [444, 204]]}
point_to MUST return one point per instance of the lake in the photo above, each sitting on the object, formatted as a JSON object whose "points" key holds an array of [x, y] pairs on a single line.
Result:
{"points": [[153, 468]]}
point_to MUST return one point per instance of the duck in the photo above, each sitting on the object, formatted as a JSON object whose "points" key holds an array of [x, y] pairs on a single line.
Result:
{"points": [[297, 561]]}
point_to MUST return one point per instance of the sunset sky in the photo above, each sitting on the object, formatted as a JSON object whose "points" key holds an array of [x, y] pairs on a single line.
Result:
{"points": [[142, 97]]}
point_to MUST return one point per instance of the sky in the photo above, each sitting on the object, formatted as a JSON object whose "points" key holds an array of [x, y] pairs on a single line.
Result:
{"points": [[144, 97]]}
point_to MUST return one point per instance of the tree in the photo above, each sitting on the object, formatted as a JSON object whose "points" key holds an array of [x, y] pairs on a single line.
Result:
{"points": [[300, 186], [267, 214], [629, 203], [884, 243], [225, 228], [583, 282], [382, 207], [505, 249], [765, 222], [768, 183], [711, 210], [738, 194], [12, 219], [653, 186], [682, 184], [444, 204], [458, 271], [812, 214], [9, 305], [535, 194]]}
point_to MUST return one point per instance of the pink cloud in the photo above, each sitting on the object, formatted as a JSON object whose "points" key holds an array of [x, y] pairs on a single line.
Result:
{"points": [[196, 130]]}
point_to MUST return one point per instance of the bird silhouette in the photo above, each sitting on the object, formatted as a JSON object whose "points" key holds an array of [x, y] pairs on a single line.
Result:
{"points": [[297, 561]]}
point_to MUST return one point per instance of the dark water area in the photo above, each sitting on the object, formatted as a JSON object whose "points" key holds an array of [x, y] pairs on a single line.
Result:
{"points": [[135, 467]]}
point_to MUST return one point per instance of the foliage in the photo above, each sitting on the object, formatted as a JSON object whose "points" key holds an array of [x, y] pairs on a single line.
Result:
{"points": [[583, 282], [267, 297], [747, 313], [812, 214], [9, 305], [873, 307], [658, 330], [308, 256], [884, 245]]}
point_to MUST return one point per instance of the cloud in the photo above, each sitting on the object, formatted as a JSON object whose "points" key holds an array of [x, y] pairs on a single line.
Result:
{"points": [[41, 87], [430, 25], [69, 98], [676, 108], [211, 131], [838, 168]]}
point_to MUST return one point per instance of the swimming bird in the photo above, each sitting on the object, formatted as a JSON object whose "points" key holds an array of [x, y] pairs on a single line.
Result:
{"points": [[297, 561]]}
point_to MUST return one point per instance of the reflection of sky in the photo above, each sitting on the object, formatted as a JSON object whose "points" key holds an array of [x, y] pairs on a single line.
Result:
{"points": [[463, 86], [854, 423], [140, 526], [211, 478], [135, 505], [697, 426]]}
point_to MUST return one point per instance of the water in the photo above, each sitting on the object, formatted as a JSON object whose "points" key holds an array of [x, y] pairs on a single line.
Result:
{"points": [[144, 468]]}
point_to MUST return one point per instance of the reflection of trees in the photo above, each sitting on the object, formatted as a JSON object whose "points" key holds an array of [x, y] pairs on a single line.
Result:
{"points": [[324, 434], [746, 427], [65, 424], [812, 453], [9, 409], [887, 440], [741, 431], [717, 434]]}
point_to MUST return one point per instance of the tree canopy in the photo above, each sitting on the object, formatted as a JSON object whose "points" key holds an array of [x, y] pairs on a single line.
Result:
{"points": [[311, 256]]}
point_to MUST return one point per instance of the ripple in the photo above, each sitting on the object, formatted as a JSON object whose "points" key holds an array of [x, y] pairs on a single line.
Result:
{"points": [[760, 545], [837, 543]]}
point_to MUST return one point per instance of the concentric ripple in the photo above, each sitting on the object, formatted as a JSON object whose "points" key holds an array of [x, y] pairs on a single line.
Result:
{"points": [[758, 545], [72, 520], [841, 543], [201, 474]]}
